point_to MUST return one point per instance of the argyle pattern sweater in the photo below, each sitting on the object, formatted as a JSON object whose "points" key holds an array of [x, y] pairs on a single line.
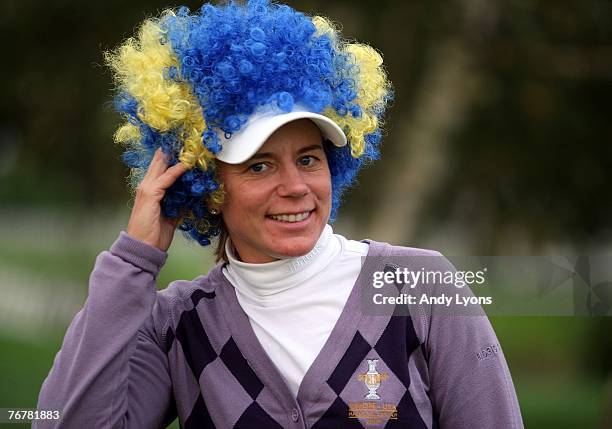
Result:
{"points": [[134, 357]]}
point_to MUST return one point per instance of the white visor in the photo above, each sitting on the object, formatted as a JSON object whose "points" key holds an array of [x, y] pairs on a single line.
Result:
{"points": [[246, 142]]}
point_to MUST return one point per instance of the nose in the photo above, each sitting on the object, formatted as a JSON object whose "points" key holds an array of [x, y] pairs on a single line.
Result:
{"points": [[292, 183]]}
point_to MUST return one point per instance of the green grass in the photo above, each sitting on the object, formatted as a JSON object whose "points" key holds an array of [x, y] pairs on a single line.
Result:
{"points": [[23, 368], [554, 363], [560, 402], [71, 263]]}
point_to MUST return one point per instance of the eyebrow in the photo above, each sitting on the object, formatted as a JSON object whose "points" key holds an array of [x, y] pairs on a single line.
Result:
{"points": [[302, 150]]}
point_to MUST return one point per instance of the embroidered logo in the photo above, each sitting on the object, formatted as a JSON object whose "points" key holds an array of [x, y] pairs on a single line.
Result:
{"points": [[374, 412], [372, 379], [487, 352]]}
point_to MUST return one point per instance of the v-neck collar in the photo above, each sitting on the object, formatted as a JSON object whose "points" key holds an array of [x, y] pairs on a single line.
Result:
{"points": [[329, 356]]}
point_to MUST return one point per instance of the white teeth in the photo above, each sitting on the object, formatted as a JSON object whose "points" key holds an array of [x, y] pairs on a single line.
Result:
{"points": [[291, 218]]}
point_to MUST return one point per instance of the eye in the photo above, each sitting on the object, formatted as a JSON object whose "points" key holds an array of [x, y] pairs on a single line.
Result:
{"points": [[308, 160], [258, 167]]}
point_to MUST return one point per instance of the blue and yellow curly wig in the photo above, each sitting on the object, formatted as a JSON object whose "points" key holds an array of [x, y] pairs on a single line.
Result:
{"points": [[186, 76]]}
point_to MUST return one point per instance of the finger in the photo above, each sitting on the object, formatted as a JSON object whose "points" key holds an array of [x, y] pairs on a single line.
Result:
{"points": [[158, 165], [165, 180]]}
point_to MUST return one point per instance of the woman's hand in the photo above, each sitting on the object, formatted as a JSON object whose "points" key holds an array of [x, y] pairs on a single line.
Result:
{"points": [[147, 223]]}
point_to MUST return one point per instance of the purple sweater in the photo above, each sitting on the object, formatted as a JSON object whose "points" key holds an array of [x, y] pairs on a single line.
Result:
{"points": [[134, 357]]}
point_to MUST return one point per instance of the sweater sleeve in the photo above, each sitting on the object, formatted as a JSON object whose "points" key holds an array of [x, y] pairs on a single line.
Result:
{"points": [[470, 380], [112, 371]]}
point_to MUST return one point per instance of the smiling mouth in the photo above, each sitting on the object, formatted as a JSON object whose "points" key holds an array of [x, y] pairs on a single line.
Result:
{"points": [[290, 218]]}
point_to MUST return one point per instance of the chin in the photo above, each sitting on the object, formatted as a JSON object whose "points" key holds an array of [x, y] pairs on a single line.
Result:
{"points": [[295, 250]]}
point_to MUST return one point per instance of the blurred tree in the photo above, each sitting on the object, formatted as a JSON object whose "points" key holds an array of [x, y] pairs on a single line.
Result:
{"points": [[528, 142]]}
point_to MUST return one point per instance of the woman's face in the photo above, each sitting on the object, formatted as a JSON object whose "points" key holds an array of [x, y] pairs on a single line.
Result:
{"points": [[278, 202]]}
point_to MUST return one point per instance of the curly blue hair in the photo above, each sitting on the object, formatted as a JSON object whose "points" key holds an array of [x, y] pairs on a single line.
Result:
{"points": [[187, 77]]}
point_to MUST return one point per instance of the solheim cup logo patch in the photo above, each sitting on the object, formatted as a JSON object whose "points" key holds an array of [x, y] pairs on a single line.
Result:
{"points": [[372, 379], [374, 412]]}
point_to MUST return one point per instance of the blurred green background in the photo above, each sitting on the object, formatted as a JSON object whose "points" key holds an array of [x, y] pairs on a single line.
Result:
{"points": [[498, 143]]}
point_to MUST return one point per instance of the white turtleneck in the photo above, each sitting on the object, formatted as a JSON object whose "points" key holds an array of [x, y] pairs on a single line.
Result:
{"points": [[294, 303]]}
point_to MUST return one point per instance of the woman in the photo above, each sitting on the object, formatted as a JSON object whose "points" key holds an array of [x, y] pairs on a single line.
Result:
{"points": [[247, 123]]}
